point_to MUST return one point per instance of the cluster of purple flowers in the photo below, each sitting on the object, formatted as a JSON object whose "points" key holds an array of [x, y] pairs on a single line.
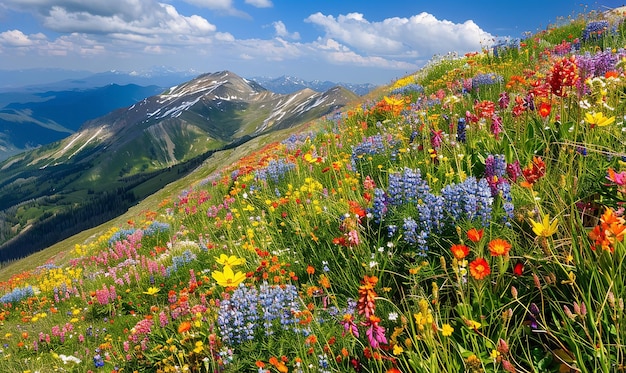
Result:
{"points": [[480, 80], [495, 171], [296, 140], [595, 30], [17, 294], [407, 89], [503, 45], [156, 227], [274, 170], [470, 199], [121, 235], [278, 303], [461, 130], [249, 308], [406, 187], [598, 64], [369, 146], [179, 261], [496, 174]]}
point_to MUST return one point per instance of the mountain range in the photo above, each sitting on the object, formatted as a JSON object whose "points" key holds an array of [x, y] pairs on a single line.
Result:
{"points": [[32, 115], [111, 162]]}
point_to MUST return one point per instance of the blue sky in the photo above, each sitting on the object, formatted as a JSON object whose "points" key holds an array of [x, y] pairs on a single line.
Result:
{"points": [[354, 41]]}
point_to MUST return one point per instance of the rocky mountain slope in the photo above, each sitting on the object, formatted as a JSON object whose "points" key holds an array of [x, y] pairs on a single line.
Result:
{"points": [[114, 160]]}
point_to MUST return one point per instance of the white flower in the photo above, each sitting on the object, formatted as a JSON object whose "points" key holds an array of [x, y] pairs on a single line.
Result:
{"points": [[72, 359], [393, 316]]}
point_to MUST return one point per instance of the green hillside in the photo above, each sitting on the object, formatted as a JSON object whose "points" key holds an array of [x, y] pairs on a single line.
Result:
{"points": [[468, 217]]}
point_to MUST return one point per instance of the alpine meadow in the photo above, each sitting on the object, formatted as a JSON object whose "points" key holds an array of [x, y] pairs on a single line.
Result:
{"points": [[468, 217]]}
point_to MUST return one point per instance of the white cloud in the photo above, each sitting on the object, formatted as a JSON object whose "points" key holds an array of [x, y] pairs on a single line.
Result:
{"points": [[420, 35], [281, 31], [15, 38], [222, 6], [164, 20], [260, 3]]}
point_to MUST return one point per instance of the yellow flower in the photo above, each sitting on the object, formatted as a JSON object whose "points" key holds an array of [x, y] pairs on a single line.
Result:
{"points": [[397, 349], [544, 228], [152, 290], [446, 330], [598, 119], [227, 277], [393, 101], [199, 347], [230, 261], [472, 324]]}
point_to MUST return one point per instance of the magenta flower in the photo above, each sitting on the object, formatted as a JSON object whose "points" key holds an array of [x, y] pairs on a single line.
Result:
{"points": [[375, 333], [349, 326]]}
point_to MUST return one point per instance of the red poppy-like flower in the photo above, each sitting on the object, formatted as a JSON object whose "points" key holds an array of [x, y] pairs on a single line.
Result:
{"points": [[479, 268], [533, 172], [475, 235], [459, 251], [544, 109], [499, 247], [518, 269]]}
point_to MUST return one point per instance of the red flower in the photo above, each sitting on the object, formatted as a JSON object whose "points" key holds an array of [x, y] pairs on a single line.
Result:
{"points": [[518, 269], [564, 73], [544, 109], [479, 268]]}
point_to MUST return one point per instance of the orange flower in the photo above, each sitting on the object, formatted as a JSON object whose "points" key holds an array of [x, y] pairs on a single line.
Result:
{"points": [[475, 235], [310, 270], [459, 251], [611, 229], [479, 268], [184, 327], [499, 247]]}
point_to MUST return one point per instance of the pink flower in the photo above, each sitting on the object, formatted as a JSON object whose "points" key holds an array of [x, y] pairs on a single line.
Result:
{"points": [[617, 178], [375, 333], [349, 326]]}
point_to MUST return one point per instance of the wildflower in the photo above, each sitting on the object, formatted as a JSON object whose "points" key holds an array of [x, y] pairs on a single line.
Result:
{"points": [[375, 333], [459, 251], [446, 330], [611, 229], [472, 324], [152, 290], [518, 269], [227, 277], [230, 261], [184, 327], [199, 347], [397, 349], [544, 109], [598, 119], [479, 268], [367, 296], [544, 228], [617, 178], [475, 235], [564, 73], [499, 247], [349, 326], [533, 172]]}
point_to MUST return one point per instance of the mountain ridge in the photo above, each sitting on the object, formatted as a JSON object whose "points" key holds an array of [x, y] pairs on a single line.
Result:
{"points": [[113, 161]]}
